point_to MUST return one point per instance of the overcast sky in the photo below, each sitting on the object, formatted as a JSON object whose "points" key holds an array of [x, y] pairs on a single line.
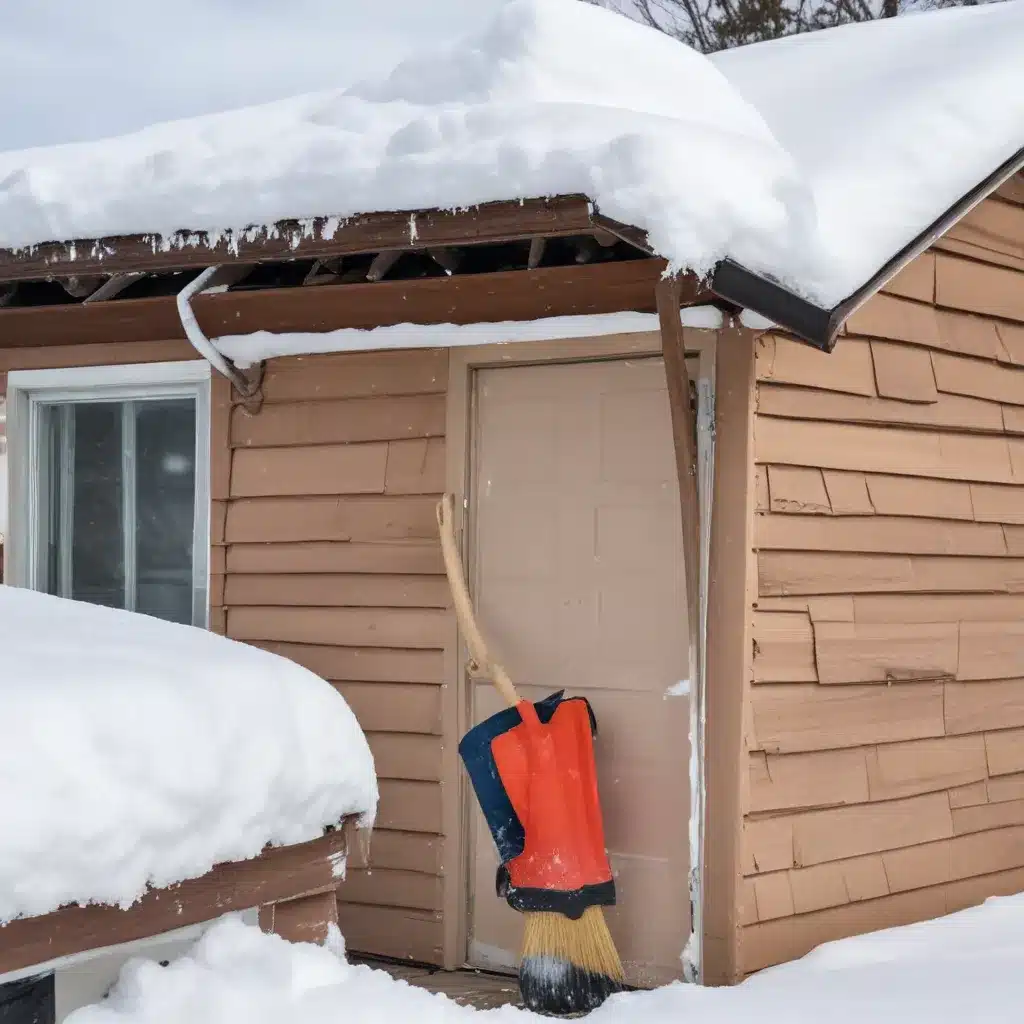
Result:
{"points": [[71, 70]]}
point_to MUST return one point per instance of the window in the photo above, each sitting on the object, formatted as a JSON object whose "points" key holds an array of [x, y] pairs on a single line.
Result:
{"points": [[110, 486]]}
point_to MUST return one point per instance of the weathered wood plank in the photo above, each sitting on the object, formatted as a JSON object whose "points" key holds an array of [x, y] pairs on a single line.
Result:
{"points": [[324, 590], [415, 935], [903, 372], [278, 874], [422, 557], [977, 706], [784, 573], [362, 519], [363, 664], [935, 454], [881, 534], [847, 370], [402, 755], [977, 379], [950, 411], [410, 806], [783, 648], [898, 770], [991, 650], [795, 718], [978, 288], [827, 778], [858, 652], [895, 319], [400, 851], [351, 376], [339, 421], [416, 628], [317, 238], [395, 707], [386, 887], [335, 469]]}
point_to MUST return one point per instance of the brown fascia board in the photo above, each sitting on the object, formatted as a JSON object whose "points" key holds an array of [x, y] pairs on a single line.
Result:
{"points": [[819, 326], [315, 238]]}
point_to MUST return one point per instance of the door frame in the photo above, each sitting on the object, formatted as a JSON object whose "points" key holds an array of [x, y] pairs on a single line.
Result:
{"points": [[458, 821]]}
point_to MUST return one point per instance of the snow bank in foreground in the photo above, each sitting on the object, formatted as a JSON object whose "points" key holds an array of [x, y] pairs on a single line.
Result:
{"points": [[965, 967], [137, 752]]}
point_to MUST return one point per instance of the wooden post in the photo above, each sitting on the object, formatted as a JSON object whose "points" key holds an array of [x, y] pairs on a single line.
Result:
{"points": [[305, 919], [684, 435]]}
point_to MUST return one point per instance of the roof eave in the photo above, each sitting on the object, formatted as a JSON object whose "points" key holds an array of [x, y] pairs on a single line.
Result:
{"points": [[820, 326]]}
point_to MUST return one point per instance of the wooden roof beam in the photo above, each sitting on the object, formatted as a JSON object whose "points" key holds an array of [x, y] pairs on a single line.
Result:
{"points": [[537, 247], [113, 286], [382, 263], [319, 238], [600, 287]]}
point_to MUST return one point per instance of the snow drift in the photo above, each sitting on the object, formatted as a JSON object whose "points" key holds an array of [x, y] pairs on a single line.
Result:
{"points": [[136, 752], [961, 968]]}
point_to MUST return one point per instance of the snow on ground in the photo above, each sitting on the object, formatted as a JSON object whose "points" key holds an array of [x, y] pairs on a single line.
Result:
{"points": [[813, 158], [137, 752], [965, 967]]}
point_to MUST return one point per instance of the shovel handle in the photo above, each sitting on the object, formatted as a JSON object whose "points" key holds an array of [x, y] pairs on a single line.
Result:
{"points": [[480, 661]]}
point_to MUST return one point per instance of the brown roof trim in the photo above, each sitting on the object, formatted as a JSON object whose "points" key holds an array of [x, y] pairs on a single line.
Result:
{"points": [[819, 326], [316, 238], [587, 289]]}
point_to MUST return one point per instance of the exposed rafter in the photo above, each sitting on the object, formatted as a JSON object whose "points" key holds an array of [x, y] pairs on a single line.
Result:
{"points": [[114, 286], [381, 264]]}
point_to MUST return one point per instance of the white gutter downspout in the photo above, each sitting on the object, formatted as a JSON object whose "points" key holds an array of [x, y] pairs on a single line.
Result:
{"points": [[200, 342]]}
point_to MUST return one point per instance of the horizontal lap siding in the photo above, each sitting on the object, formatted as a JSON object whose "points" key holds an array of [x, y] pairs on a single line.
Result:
{"points": [[328, 549], [886, 719]]}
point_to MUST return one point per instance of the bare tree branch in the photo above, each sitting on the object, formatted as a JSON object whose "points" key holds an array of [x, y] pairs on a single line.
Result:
{"points": [[721, 24]]}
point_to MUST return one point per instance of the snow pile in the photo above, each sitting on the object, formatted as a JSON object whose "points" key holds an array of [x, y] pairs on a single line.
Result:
{"points": [[553, 97], [136, 752], [890, 122], [813, 159], [962, 968]]}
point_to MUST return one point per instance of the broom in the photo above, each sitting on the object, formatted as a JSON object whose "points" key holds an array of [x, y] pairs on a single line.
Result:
{"points": [[569, 963]]}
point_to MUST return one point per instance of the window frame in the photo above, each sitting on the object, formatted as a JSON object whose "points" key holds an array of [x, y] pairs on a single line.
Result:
{"points": [[29, 390]]}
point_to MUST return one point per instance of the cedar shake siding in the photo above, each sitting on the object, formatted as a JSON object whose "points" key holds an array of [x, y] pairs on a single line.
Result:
{"points": [[885, 732], [326, 552]]}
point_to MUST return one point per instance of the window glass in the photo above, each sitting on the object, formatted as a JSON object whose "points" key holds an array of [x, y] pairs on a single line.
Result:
{"points": [[118, 504], [165, 480]]}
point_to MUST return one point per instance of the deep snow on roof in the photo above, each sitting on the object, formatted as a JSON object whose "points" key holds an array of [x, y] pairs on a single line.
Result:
{"points": [[812, 159]]}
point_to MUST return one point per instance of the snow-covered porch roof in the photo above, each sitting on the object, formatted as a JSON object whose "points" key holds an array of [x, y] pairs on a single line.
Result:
{"points": [[790, 178]]}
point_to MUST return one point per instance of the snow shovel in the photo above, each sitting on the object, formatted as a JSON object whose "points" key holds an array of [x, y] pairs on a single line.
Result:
{"points": [[533, 773]]}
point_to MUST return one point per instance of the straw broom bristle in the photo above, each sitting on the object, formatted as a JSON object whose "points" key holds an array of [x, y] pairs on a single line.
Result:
{"points": [[568, 966]]}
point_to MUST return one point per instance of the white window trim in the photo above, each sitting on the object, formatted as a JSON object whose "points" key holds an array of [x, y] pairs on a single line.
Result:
{"points": [[27, 390]]}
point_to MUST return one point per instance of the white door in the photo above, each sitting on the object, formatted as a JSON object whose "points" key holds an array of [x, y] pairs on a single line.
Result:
{"points": [[578, 579]]}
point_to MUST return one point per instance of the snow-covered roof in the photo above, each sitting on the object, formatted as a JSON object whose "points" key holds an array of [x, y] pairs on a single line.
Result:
{"points": [[811, 160], [136, 752]]}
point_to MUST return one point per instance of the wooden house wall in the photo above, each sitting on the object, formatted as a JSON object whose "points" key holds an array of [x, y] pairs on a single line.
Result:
{"points": [[326, 552], [885, 731], [350, 449]]}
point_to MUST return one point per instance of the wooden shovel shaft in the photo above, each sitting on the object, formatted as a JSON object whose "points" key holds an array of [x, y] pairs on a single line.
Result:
{"points": [[481, 662]]}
